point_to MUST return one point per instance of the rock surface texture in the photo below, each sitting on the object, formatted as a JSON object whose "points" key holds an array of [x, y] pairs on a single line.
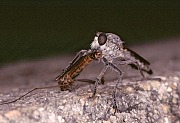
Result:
{"points": [[138, 101]]}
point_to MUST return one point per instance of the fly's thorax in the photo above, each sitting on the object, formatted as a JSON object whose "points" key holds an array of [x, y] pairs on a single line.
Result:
{"points": [[112, 51]]}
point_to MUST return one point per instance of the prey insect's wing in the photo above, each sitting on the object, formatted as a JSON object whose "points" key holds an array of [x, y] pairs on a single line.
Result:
{"points": [[75, 59]]}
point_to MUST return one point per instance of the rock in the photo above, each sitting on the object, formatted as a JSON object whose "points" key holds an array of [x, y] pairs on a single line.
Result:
{"points": [[146, 101], [169, 89], [3, 119], [146, 86], [165, 108], [13, 114], [155, 84]]}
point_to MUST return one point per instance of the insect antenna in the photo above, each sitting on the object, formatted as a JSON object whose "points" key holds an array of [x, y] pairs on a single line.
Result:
{"points": [[86, 80], [90, 81], [39, 88]]}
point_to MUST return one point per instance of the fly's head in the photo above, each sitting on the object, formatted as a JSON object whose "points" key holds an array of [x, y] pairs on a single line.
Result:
{"points": [[107, 43], [105, 40]]}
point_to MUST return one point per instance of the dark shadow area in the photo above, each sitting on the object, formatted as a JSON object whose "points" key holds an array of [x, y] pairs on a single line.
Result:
{"points": [[33, 29]]}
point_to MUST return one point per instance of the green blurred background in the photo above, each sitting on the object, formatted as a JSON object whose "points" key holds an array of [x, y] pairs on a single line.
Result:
{"points": [[32, 29]]}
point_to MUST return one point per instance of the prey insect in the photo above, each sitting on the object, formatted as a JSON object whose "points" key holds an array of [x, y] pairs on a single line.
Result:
{"points": [[67, 78], [81, 60]]}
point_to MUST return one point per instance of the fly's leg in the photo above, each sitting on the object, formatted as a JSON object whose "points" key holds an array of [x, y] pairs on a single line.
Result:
{"points": [[102, 80], [115, 87], [90, 81], [99, 78], [127, 62], [140, 70], [146, 78]]}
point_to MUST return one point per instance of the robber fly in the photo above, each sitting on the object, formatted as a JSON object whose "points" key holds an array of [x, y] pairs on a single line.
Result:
{"points": [[113, 54], [108, 48]]}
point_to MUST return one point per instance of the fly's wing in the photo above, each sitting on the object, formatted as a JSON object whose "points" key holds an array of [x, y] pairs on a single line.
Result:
{"points": [[143, 61], [137, 56], [134, 66]]}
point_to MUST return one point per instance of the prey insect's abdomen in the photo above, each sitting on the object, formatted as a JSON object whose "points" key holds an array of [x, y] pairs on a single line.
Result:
{"points": [[66, 79]]}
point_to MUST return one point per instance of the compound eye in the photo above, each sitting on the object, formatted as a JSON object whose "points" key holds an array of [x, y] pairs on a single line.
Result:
{"points": [[102, 39]]}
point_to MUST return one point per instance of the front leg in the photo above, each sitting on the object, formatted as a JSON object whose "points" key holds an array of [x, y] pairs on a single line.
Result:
{"points": [[99, 78]]}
